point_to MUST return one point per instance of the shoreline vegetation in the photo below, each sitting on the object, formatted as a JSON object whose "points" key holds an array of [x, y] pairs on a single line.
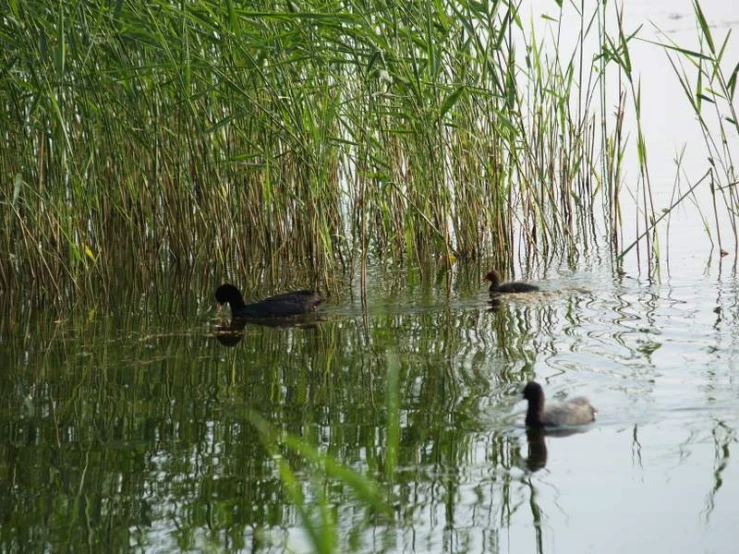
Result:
{"points": [[211, 138]]}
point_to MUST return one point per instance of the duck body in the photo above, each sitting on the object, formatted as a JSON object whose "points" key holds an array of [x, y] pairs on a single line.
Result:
{"points": [[280, 305], [512, 287], [576, 411]]}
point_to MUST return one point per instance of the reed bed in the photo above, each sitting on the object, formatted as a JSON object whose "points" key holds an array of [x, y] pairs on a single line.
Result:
{"points": [[227, 138], [709, 90]]}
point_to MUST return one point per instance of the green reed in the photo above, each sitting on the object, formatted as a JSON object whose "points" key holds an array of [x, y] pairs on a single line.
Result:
{"points": [[617, 50], [233, 139], [710, 92]]}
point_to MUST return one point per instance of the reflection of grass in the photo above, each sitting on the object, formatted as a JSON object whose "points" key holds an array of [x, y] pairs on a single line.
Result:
{"points": [[316, 514], [723, 437]]}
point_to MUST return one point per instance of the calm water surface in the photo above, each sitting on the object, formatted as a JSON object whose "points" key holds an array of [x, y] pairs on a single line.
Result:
{"points": [[134, 433]]}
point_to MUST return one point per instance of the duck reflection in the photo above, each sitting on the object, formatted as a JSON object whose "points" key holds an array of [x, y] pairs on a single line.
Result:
{"points": [[537, 446], [537, 453], [230, 335], [495, 304]]}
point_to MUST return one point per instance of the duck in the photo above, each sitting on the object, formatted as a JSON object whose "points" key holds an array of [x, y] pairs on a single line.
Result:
{"points": [[496, 287], [576, 411], [286, 304]]}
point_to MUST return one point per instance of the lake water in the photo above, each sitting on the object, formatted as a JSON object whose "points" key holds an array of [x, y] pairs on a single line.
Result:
{"points": [[130, 432], [134, 430]]}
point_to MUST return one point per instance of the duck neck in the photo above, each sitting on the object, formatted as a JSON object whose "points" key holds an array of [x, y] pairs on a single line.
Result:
{"points": [[494, 279], [236, 302]]}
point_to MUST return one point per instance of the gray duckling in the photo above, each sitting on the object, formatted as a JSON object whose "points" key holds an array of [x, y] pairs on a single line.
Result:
{"points": [[576, 411]]}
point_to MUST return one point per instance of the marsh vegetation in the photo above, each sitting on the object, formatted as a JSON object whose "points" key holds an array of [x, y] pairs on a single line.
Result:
{"points": [[197, 137], [143, 139]]}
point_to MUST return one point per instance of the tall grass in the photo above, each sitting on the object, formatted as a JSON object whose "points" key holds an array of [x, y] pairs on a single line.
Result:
{"points": [[223, 137], [709, 90]]}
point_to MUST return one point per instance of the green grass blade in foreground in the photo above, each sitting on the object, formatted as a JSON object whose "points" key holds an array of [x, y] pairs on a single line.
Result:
{"points": [[363, 487], [322, 533]]}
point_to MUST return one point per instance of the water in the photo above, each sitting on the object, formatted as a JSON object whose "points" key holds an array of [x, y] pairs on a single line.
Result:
{"points": [[129, 433]]}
